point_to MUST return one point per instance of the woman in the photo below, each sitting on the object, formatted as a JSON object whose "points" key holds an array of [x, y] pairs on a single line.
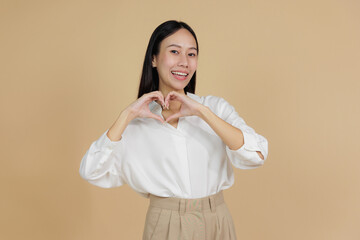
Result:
{"points": [[175, 147]]}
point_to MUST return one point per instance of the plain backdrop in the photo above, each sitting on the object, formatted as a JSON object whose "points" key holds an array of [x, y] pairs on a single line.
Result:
{"points": [[290, 68]]}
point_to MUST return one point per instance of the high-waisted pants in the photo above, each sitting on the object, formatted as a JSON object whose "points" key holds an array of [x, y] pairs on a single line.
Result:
{"points": [[207, 218]]}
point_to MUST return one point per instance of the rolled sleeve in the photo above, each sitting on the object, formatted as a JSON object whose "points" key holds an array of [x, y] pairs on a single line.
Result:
{"points": [[101, 164], [246, 157], [104, 142]]}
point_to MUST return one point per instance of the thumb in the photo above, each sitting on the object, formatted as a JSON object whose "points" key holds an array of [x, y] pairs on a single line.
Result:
{"points": [[156, 117], [174, 116]]}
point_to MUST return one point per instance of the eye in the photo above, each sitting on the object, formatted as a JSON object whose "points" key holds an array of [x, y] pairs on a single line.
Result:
{"points": [[193, 54], [173, 51]]}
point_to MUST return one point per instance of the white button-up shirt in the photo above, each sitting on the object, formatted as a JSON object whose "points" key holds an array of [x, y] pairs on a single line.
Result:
{"points": [[190, 161]]}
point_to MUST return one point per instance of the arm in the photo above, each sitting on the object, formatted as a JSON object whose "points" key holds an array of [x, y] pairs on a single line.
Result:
{"points": [[233, 137], [117, 129], [245, 148], [99, 165]]}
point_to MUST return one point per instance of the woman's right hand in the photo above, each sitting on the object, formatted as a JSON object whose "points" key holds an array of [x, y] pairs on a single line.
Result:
{"points": [[140, 107]]}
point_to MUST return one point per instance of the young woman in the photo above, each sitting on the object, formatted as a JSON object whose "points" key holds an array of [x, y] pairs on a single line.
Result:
{"points": [[175, 147]]}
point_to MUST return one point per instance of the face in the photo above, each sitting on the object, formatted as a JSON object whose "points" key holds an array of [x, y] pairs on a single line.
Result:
{"points": [[176, 62]]}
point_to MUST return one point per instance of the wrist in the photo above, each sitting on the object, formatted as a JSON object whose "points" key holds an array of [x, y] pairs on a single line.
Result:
{"points": [[126, 115], [203, 111]]}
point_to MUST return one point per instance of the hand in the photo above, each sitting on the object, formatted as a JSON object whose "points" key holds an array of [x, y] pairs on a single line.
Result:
{"points": [[140, 107], [188, 107]]}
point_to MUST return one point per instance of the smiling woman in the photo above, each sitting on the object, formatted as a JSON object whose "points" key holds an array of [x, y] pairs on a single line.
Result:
{"points": [[174, 147], [176, 61]]}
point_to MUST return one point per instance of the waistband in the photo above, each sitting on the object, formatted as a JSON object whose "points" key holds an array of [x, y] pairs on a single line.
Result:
{"points": [[188, 205]]}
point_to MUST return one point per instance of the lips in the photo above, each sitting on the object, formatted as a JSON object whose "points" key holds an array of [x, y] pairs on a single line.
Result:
{"points": [[180, 73]]}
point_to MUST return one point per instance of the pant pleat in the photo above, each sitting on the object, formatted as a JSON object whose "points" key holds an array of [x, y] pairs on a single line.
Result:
{"points": [[162, 228], [231, 227], [174, 226], [195, 222], [223, 228], [211, 224]]}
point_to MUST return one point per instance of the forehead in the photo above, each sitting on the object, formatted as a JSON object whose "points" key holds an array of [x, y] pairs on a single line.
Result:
{"points": [[182, 38]]}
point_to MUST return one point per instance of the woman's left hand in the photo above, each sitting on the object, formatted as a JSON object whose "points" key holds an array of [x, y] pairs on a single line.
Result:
{"points": [[188, 107]]}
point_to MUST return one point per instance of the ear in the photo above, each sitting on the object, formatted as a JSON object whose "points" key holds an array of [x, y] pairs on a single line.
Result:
{"points": [[153, 62]]}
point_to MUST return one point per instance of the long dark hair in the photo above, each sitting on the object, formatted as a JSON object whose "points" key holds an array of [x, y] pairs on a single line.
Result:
{"points": [[149, 77]]}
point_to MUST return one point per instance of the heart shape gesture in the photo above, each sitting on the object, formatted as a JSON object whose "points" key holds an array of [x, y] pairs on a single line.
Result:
{"points": [[140, 107], [188, 106]]}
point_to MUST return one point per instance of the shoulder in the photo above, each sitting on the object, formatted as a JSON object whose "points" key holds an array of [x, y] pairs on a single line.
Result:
{"points": [[208, 100], [219, 105]]}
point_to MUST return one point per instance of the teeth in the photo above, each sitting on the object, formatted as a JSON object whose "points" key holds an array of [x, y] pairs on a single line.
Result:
{"points": [[179, 73]]}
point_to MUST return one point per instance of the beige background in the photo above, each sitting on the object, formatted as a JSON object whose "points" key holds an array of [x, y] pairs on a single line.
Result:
{"points": [[290, 68]]}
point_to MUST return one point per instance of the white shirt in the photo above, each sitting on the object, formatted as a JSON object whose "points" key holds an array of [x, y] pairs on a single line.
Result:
{"points": [[190, 161]]}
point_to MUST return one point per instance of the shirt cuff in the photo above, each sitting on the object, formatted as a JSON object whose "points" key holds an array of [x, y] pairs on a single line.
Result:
{"points": [[246, 156], [250, 143], [104, 142]]}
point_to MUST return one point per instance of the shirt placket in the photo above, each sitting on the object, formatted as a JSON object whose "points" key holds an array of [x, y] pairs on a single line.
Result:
{"points": [[180, 147], [179, 141]]}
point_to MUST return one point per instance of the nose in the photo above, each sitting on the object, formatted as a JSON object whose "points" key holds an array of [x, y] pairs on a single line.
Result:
{"points": [[183, 61]]}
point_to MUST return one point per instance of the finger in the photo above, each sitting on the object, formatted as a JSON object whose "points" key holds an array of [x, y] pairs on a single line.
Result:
{"points": [[160, 93], [160, 98], [157, 95], [157, 117], [174, 116], [167, 98], [151, 96], [171, 96]]}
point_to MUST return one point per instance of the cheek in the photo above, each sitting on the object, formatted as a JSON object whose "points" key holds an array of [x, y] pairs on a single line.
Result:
{"points": [[194, 64], [168, 61]]}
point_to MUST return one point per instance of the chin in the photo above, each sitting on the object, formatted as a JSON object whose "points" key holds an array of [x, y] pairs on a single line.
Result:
{"points": [[180, 87]]}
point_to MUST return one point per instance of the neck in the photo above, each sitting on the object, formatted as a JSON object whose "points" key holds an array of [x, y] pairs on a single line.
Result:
{"points": [[165, 91], [174, 106]]}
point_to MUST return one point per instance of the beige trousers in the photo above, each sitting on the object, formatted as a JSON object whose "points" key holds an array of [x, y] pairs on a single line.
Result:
{"points": [[205, 218]]}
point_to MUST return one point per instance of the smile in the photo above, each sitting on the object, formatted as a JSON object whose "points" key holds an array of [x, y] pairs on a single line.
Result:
{"points": [[179, 73]]}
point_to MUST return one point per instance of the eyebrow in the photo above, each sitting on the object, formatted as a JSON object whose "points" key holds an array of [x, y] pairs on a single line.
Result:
{"points": [[175, 45]]}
